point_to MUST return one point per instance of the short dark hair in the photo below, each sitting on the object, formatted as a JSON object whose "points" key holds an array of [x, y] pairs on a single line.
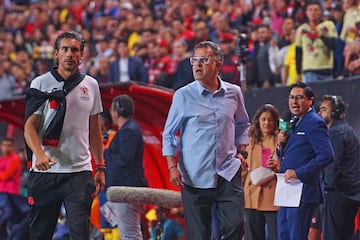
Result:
{"points": [[307, 89], [8, 139], [122, 40], [124, 105], [337, 106], [71, 35], [312, 2]]}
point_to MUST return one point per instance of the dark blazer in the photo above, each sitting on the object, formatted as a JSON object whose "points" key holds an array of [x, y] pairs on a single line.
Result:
{"points": [[307, 151], [124, 157], [137, 70]]}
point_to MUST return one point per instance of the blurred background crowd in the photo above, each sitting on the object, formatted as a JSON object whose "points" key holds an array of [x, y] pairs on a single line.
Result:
{"points": [[157, 38]]}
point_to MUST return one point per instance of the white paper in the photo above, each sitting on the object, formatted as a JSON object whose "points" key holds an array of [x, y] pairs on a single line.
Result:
{"points": [[287, 194], [108, 211]]}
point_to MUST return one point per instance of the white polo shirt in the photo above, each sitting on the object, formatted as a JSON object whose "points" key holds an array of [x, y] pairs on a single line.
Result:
{"points": [[72, 154]]}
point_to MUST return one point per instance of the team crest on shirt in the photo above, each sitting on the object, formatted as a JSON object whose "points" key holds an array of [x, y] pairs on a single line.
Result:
{"points": [[84, 93]]}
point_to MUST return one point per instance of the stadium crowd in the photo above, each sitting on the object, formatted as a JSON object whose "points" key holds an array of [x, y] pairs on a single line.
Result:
{"points": [[161, 34]]}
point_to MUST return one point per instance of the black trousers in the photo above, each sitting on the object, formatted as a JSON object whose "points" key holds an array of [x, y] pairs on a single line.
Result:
{"points": [[48, 191], [338, 216], [256, 222], [228, 203]]}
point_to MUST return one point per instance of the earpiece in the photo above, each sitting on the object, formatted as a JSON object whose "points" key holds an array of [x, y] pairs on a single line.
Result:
{"points": [[335, 113]]}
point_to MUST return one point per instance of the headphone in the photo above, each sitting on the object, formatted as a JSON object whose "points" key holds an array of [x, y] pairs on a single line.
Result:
{"points": [[335, 113], [124, 105]]}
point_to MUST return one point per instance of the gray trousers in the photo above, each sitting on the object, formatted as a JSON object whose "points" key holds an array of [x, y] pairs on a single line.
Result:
{"points": [[227, 200]]}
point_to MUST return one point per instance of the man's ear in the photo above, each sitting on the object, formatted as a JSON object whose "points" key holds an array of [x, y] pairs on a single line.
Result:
{"points": [[312, 99], [219, 64]]}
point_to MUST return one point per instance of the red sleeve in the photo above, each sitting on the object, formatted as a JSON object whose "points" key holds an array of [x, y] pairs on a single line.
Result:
{"points": [[12, 168]]}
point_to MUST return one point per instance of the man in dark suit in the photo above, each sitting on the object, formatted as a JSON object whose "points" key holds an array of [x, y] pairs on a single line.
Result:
{"points": [[306, 152], [126, 68], [124, 164]]}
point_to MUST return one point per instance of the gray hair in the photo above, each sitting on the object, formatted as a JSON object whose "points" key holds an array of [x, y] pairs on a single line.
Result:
{"points": [[214, 47]]}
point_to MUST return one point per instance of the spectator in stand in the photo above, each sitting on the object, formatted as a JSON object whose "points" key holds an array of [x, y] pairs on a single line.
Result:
{"points": [[259, 10], [10, 182], [26, 61], [297, 12], [352, 58], [351, 24], [287, 27], [100, 70], [10, 168], [337, 15], [141, 51], [9, 48], [179, 30], [219, 25], [160, 65], [126, 68], [7, 82], [22, 82], [250, 65], [315, 42], [266, 59], [201, 10], [229, 71], [148, 35], [289, 76], [102, 47], [232, 12], [201, 33], [286, 40], [278, 16], [183, 74]]}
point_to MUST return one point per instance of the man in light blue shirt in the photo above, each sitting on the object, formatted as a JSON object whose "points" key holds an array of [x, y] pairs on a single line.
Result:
{"points": [[213, 124]]}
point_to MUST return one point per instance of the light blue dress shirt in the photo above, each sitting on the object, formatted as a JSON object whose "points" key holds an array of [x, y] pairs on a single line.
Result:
{"points": [[211, 126]]}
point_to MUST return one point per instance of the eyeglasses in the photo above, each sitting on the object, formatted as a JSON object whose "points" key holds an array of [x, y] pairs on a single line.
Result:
{"points": [[296, 98], [202, 60]]}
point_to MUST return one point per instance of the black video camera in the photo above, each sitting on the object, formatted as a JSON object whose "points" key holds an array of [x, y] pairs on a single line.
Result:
{"points": [[242, 50]]}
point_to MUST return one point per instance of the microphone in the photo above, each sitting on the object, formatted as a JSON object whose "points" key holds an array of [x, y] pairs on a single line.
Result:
{"points": [[144, 195], [285, 122]]}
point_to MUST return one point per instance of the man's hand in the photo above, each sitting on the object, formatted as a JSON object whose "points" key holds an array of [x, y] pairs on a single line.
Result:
{"points": [[290, 174], [274, 164], [99, 181], [242, 160], [282, 137], [44, 162], [175, 177]]}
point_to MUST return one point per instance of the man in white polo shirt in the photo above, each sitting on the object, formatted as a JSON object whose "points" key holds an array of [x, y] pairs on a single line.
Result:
{"points": [[61, 127]]}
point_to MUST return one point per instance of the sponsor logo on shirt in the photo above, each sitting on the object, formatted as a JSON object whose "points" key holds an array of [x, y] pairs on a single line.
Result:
{"points": [[84, 93]]}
